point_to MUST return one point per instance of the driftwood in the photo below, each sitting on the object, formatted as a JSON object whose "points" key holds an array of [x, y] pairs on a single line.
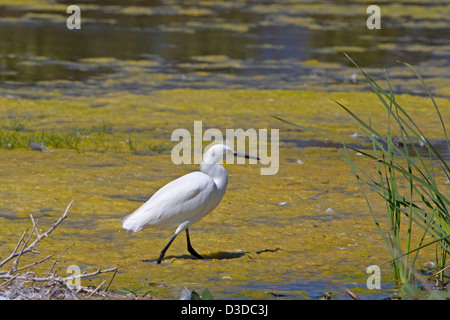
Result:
{"points": [[23, 283]]}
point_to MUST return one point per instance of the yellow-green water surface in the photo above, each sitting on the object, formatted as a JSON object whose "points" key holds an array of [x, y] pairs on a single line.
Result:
{"points": [[296, 234]]}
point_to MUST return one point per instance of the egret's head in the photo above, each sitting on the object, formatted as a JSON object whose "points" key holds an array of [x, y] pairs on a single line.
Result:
{"points": [[219, 152]]}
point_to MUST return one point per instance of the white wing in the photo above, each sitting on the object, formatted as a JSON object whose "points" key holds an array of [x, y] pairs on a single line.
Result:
{"points": [[188, 198]]}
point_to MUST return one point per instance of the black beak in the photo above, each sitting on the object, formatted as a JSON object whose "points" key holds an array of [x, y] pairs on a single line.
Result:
{"points": [[237, 154]]}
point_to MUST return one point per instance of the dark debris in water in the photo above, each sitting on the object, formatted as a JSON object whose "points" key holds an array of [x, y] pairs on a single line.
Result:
{"points": [[413, 148], [137, 198]]}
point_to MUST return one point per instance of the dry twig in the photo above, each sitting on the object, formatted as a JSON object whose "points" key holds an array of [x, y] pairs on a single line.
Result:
{"points": [[49, 285]]}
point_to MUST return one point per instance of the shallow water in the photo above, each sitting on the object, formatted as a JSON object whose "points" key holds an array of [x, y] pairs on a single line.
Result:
{"points": [[106, 99], [149, 45], [290, 235]]}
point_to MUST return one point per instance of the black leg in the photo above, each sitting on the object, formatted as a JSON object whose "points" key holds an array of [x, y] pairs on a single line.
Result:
{"points": [[163, 251], [189, 247]]}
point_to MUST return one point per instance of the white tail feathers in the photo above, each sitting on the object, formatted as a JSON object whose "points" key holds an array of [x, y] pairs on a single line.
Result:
{"points": [[130, 223]]}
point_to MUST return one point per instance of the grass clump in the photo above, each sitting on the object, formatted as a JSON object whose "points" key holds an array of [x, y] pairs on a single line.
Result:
{"points": [[406, 178], [99, 138], [422, 202]]}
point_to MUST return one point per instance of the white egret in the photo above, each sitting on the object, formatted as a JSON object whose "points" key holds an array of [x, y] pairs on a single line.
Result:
{"points": [[186, 200]]}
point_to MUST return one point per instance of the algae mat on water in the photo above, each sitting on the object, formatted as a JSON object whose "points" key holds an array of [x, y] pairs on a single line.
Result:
{"points": [[294, 234]]}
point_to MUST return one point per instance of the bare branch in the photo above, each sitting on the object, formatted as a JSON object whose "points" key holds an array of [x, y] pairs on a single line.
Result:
{"points": [[35, 263], [49, 285], [56, 261], [39, 237]]}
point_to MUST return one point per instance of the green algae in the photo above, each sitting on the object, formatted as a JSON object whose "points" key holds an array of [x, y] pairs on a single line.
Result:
{"points": [[306, 223], [108, 133]]}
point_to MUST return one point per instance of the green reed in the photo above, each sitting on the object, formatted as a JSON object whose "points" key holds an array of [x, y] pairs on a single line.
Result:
{"points": [[406, 180]]}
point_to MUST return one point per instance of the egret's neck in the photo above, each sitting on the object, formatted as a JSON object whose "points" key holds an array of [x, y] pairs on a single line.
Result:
{"points": [[216, 172]]}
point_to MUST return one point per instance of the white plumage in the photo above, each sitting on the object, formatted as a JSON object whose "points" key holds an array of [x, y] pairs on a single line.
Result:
{"points": [[176, 203], [186, 200]]}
